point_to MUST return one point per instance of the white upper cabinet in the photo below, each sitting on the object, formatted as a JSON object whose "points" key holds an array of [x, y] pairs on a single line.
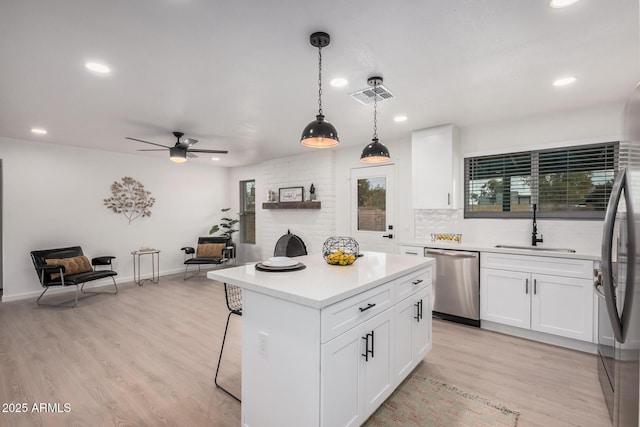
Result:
{"points": [[435, 161]]}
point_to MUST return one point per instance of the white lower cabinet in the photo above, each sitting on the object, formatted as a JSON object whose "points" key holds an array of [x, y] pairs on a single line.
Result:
{"points": [[358, 372], [413, 332], [361, 367], [504, 297], [559, 304]]}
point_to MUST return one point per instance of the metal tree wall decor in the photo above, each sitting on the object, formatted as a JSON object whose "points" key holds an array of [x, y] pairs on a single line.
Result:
{"points": [[130, 199]]}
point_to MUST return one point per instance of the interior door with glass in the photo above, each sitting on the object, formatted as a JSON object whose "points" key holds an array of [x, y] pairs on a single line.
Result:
{"points": [[373, 208]]}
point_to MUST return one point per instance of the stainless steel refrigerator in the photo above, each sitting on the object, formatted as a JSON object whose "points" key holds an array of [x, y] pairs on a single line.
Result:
{"points": [[619, 286]]}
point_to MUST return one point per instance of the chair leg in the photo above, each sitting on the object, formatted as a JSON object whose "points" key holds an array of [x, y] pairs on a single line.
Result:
{"points": [[215, 380], [64, 304], [184, 277], [101, 292]]}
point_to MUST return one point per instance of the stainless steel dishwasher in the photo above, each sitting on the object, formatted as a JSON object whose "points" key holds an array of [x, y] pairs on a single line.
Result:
{"points": [[457, 285]]}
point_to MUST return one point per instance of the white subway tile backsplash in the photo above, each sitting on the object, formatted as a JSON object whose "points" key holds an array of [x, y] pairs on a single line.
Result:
{"points": [[583, 236]]}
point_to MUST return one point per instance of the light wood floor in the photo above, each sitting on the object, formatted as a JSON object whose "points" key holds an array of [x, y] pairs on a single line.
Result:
{"points": [[147, 357]]}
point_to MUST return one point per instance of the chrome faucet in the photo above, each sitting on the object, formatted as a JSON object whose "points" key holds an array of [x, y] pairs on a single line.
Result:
{"points": [[534, 234]]}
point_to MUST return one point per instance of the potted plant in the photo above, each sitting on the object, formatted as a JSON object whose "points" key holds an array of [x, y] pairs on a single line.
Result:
{"points": [[227, 226]]}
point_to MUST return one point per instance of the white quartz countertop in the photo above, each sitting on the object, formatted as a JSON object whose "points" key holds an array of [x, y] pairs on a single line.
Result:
{"points": [[479, 247], [320, 284]]}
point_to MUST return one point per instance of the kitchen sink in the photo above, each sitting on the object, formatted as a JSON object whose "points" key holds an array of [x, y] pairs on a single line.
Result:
{"points": [[535, 248]]}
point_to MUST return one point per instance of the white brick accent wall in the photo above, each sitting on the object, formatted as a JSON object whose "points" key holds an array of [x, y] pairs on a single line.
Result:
{"points": [[313, 226]]}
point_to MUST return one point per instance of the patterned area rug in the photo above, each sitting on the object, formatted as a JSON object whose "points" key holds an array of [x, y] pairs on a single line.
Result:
{"points": [[424, 402]]}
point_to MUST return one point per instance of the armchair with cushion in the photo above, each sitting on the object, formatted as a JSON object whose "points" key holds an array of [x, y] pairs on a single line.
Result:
{"points": [[215, 250], [69, 267]]}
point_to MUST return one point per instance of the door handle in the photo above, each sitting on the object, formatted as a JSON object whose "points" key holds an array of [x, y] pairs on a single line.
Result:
{"points": [[526, 286], [389, 236], [417, 282], [448, 198], [417, 306], [535, 286]]}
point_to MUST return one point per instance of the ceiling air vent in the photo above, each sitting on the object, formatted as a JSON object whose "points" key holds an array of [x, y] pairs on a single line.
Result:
{"points": [[366, 96]]}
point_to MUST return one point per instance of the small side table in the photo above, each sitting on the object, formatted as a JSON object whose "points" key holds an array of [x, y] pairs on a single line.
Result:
{"points": [[155, 266]]}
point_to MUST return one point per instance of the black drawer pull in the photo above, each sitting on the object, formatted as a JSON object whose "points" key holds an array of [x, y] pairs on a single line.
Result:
{"points": [[367, 307], [417, 282]]}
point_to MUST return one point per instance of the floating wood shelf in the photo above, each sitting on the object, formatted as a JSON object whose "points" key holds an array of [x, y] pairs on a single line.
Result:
{"points": [[292, 205]]}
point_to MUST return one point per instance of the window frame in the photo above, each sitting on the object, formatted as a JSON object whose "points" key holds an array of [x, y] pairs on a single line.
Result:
{"points": [[535, 169], [243, 212]]}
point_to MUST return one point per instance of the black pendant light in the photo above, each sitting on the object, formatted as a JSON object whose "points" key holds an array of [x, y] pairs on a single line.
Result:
{"points": [[375, 152], [318, 133]]}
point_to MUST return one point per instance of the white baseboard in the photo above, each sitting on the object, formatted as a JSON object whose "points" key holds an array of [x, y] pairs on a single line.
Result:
{"points": [[96, 284], [584, 346]]}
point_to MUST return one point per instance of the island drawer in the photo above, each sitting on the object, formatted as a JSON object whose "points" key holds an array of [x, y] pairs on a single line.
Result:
{"points": [[412, 283], [344, 315]]}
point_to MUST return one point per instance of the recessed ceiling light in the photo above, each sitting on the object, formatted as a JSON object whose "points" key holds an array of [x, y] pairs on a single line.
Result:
{"points": [[96, 67], [215, 159], [400, 118], [339, 82], [559, 4], [564, 81], [39, 131]]}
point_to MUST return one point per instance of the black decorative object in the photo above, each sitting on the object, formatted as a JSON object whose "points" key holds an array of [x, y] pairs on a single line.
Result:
{"points": [[319, 133], [375, 152], [312, 192]]}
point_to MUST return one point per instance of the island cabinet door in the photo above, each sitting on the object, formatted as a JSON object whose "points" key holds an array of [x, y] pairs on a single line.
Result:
{"points": [[341, 400], [421, 329], [412, 332], [357, 372], [378, 376]]}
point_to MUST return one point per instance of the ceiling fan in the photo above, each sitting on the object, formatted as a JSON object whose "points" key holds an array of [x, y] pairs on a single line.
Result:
{"points": [[179, 152]]}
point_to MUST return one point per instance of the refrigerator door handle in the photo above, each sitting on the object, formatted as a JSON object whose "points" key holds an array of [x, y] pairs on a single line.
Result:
{"points": [[622, 183]]}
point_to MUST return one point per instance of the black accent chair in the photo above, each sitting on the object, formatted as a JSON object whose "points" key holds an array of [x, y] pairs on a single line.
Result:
{"points": [[215, 250], [233, 296], [62, 273]]}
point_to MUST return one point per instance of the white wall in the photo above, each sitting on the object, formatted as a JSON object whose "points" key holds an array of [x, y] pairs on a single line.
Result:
{"points": [[597, 124], [53, 197], [311, 225], [330, 171]]}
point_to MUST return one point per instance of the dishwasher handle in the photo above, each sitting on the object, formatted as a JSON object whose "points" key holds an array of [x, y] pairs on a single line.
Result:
{"points": [[454, 254]]}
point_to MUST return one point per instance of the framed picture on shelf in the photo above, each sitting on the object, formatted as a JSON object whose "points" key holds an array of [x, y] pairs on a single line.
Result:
{"points": [[291, 194]]}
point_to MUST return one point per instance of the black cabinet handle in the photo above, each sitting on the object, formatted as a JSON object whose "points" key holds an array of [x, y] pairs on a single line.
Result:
{"points": [[417, 282], [367, 307], [418, 306], [526, 286], [367, 351], [388, 236], [535, 286]]}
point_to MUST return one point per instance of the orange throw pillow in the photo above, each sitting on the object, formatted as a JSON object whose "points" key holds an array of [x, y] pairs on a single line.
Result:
{"points": [[210, 250], [74, 265]]}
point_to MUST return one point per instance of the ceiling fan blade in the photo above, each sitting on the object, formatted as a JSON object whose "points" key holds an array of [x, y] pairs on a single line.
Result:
{"points": [[191, 155], [189, 141], [154, 149], [146, 142], [209, 151]]}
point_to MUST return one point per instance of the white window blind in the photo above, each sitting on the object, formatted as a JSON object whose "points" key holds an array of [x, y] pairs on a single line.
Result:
{"points": [[571, 182]]}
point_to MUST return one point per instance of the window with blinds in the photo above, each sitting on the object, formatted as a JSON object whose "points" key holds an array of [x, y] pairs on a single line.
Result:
{"points": [[572, 182]]}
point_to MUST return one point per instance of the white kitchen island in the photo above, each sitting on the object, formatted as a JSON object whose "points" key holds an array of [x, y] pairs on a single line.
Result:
{"points": [[325, 346]]}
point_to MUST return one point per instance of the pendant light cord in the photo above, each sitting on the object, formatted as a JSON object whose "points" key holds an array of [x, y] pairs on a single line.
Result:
{"points": [[375, 110], [320, 80]]}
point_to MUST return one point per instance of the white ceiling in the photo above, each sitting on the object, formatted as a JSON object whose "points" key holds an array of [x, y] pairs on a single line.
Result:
{"points": [[241, 75]]}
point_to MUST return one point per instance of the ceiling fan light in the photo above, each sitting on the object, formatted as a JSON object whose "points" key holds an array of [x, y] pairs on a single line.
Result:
{"points": [[319, 134], [178, 155], [375, 153]]}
